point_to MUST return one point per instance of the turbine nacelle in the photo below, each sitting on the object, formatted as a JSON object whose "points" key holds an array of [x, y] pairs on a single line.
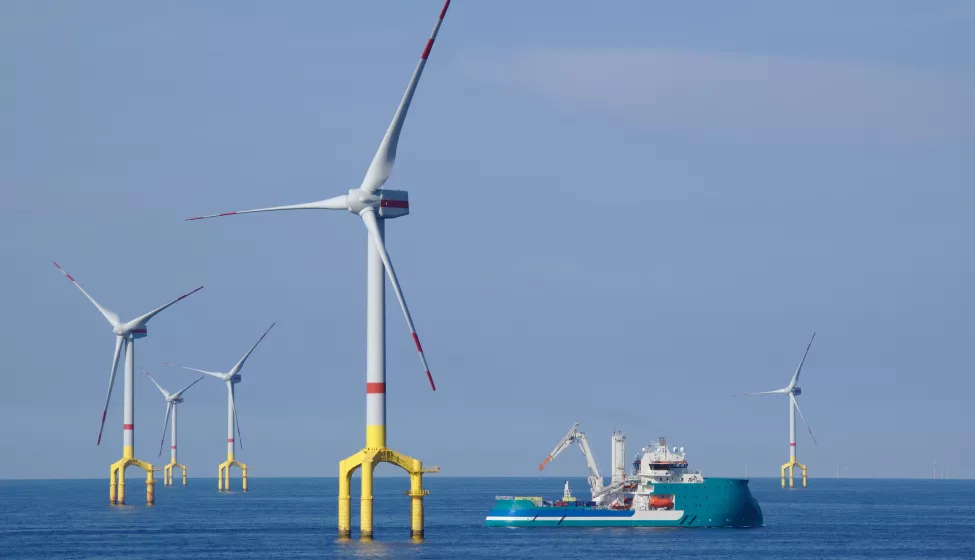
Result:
{"points": [[133, 334], [796, 391], [387, 204], [235, 378]]}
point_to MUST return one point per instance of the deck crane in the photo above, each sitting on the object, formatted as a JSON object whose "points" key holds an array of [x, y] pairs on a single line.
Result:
{"points": [[575, 436]]}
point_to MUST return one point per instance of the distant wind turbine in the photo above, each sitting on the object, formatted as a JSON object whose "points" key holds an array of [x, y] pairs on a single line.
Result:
{"points": [[230, 378], [172, 402], [793, 391], [125, 336]]}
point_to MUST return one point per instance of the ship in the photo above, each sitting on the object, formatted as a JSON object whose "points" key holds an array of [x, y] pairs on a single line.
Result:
{"points": [[660, 491]]}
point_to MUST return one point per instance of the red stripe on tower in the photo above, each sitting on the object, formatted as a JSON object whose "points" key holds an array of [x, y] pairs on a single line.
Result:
{"points": [[128, 426], [230, 440], [375, 388], [792, 444], [174, 447]]}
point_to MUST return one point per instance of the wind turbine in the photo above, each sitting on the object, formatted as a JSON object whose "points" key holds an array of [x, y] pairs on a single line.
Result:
{"points": [[125, 335], [231, 378], [793, 391], [172, 400], [374, 205]]}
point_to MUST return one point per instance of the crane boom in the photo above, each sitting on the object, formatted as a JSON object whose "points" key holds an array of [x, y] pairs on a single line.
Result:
{"points": [[575, 436]]}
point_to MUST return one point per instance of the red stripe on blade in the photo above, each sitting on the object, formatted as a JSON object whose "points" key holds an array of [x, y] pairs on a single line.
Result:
{"points": [[430, 378], [443, 12], [63, 270], [128, 426], [373, 388], [227, 214], [426, 50], [416, 339]]}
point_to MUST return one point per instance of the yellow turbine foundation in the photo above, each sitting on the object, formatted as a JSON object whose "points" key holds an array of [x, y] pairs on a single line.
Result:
{"points": [[793, 464], [116, 478], [374, 453], [168, 473], [223, 473]]}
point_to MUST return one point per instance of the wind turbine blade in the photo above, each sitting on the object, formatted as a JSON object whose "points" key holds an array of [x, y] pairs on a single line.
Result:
{"points": [[775, 392], [141, 321], [382, 162], [334, 203], [161, 390], [796, 404], [233, 403], [183, 390], [119, 341], [213, 373], [240, 364], [169, 408], [369, 218], [111, 316], [795, 377]]}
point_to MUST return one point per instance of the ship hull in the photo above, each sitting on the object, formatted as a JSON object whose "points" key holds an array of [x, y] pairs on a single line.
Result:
{"points": [[714, 503]]}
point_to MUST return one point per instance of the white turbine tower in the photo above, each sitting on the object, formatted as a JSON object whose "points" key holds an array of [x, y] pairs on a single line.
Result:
{"points": [[374, 205], [172, 402], [231, 378], [793, 391], [125, 335]]}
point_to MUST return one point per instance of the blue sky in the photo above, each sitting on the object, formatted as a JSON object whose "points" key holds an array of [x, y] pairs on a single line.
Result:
{"points": [[624, 214]]}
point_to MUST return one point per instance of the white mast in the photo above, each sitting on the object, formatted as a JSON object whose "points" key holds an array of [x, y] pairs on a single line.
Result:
{"points": [[618, 457]]}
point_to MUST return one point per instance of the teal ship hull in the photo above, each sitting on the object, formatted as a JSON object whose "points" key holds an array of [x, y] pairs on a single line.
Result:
{"points": [[716, 502]]}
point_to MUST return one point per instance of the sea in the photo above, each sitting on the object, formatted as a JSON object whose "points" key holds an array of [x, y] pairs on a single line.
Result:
{"points": [[296, 518]]}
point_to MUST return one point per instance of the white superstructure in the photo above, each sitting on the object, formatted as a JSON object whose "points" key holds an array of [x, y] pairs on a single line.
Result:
{"points": [[654, 465]]}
